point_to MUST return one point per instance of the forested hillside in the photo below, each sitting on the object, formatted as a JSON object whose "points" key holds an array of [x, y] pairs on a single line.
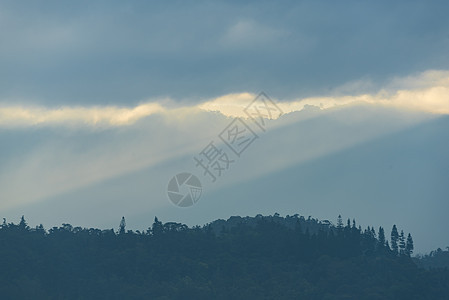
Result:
{"points": [[435, 259], [268, 257]]}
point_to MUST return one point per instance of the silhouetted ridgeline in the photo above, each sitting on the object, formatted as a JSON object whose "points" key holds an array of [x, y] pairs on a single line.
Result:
{"points": [[269, 257]]}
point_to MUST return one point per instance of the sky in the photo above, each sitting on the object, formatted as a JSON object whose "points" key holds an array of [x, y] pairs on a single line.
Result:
{"points": [[102, 103]]}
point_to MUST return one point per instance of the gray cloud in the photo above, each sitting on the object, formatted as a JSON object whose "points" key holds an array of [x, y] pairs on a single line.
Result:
{"points": [[121, 53]]}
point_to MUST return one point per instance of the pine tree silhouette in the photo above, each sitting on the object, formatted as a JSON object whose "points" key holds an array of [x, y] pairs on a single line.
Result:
{"points": [[381, 237], [394, 239], [409, 245], [122, 226], [402, 243]]}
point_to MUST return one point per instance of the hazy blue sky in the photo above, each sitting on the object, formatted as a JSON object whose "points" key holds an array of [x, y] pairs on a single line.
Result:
{"points": [[101, 102]]}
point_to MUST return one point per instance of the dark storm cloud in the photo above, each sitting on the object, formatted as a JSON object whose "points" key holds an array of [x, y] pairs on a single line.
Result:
{"points": [[105, 52]]}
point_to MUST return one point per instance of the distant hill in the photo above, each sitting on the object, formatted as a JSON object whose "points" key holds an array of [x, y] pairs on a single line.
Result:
{"points": [[264, 257]]}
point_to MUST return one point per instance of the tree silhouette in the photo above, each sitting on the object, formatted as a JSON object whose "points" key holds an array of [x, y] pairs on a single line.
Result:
{"points": [[409, 245], [339, 222], [394, 239], [402, 243], [381, 237], [157, 228], [23, 225], [122, 226]]}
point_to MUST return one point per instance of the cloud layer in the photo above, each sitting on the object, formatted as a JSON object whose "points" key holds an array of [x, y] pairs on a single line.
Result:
{"points": [[95, 116], [426, 92], [119, 53]]}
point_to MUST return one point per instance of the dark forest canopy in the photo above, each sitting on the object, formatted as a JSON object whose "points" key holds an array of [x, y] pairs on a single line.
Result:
{"points": [[262, 257], [435, 259]]}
